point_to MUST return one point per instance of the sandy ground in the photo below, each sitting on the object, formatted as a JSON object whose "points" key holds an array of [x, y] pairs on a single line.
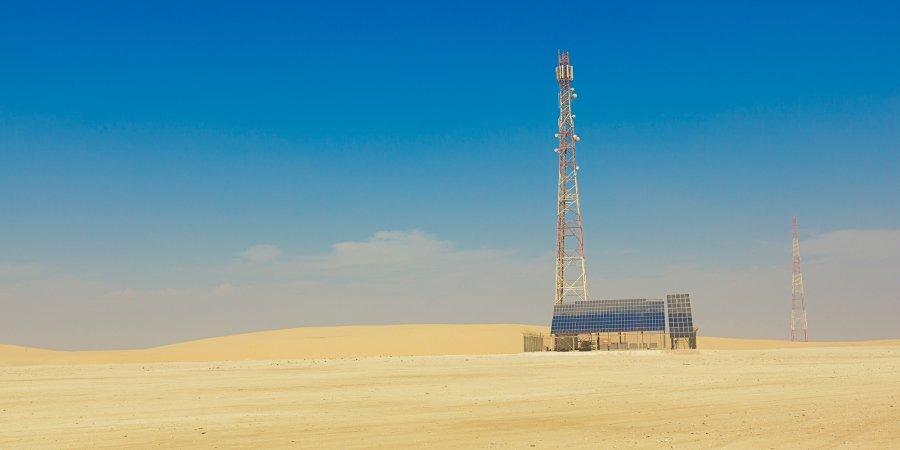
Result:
{"points": [[812, 396]]}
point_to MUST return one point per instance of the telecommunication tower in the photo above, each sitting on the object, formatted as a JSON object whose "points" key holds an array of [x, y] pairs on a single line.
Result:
{"points": [[799, 331], [571, 279]]}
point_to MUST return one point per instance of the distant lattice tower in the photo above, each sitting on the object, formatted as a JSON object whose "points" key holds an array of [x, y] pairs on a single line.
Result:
{"points": [[571, 279], [799, 329]]}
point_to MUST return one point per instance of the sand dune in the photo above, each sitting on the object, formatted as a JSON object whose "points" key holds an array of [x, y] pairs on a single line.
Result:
{"points": [[304, 343], [353, 341]]}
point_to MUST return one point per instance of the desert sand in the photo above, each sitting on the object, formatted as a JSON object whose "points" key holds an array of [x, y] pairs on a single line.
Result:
{"points": [[245, 391]]}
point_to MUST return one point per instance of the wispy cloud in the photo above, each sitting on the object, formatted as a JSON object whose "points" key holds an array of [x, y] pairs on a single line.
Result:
{"points": [[19, 271], [261, 253]]}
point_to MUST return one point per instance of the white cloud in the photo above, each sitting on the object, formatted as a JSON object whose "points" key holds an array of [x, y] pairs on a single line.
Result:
{"points": [[386, 248]]}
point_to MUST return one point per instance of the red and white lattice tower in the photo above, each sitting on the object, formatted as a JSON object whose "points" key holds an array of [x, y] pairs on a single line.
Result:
{"points": [[799, 331], [571, 279]]}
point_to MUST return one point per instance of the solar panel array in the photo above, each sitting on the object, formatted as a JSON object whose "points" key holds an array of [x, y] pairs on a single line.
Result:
{"points": [[681, 323], [605, 316]]}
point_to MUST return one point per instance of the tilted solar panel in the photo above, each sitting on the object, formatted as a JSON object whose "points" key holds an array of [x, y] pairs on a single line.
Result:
{"points": [[681, 321]]}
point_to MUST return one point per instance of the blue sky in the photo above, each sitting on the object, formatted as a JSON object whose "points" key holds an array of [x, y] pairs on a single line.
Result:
{"points": [[143, 143]]}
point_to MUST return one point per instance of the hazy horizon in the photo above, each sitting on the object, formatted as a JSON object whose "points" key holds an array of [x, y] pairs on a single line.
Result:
{"points": [[177, 172]]}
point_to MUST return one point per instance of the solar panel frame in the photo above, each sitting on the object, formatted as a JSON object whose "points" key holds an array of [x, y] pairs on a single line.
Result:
{"points": [[680, 317]]}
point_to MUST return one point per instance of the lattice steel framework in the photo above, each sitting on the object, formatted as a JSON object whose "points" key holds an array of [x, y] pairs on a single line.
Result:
{"points": [[799, 327], [571, 279]]}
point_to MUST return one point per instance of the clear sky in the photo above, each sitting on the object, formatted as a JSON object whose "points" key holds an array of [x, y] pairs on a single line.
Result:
{"points": [[155, 155]]}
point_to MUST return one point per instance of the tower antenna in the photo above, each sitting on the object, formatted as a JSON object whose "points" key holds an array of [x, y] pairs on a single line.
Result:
{"points": [[571, 279], [799, 327]]}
